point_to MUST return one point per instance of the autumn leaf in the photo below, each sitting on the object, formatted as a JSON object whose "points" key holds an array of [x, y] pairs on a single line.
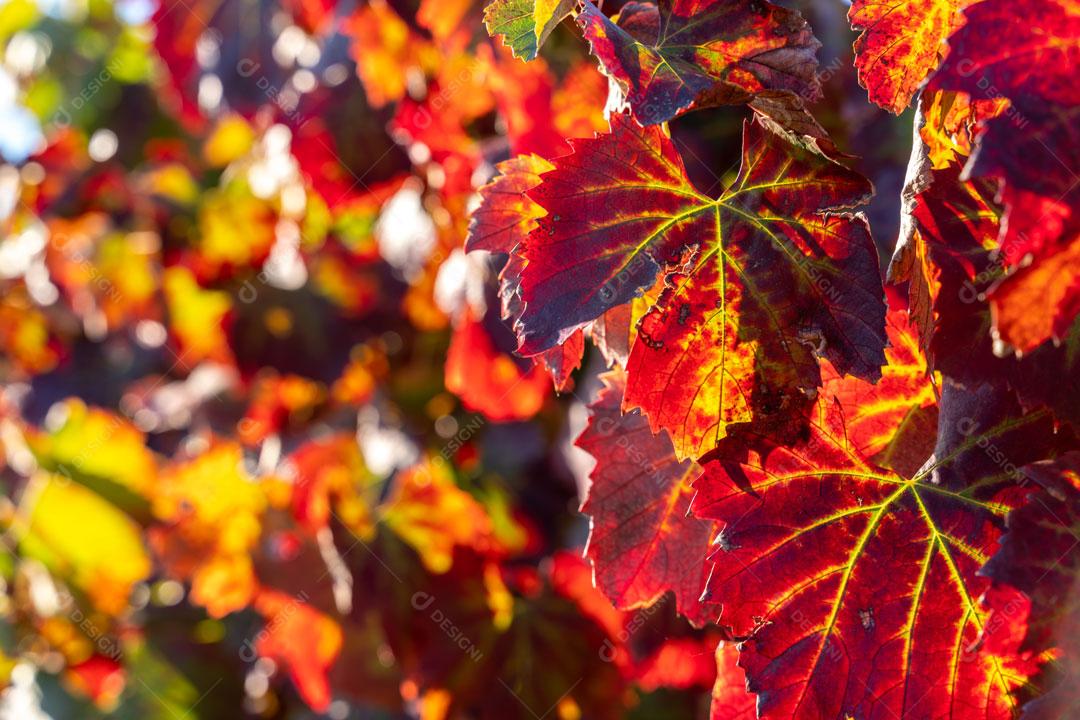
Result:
{"points": [[759, 349], [98, 448], [434, 516], [525, 24], [1040, 231], [900, 45], [1038, 556], [332, 481], [952, 260], [506, 215], [857, 586], [1040, 302], [209, 512], [103, 558], [488, 380], [1031, 144], [951, 124], [1045, 526], [242, 335], [386, 51], [730, 699], [642, 540], [561, 361], [781, 190], [611, 334], [894, 420], [502, 221], [993, 54], [952, 224], [684, 54], [304, 640], [1032, 147]]}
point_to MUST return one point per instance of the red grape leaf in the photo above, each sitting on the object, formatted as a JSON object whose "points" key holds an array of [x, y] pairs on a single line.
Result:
{"points": [[1032, 146], [642, 540], [687, 54], [1050, 376], [611, 334], [730, 700], [506, 215], [900, 45], [1040, 233], [775, 221], [952, 258], [783, 192], [1039, 302], [858, 586], [1047, 527], [1038, 556], [950, 127], [561, 362], [500, 224], [951, 222], [895, 419], [525, 24], [993, 55]]}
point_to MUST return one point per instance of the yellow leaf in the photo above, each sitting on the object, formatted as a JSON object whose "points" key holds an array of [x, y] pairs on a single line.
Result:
{"points": [[430, 513], [83, 539], [96, 443], [232, 138], [197, 316], [211, 518]]}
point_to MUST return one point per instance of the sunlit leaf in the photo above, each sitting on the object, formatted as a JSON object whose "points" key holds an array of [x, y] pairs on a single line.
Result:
{"points": [[857, 586], [900, 45], [642, 540], [525, 24], [103, 558], [209, 511], [625, 203], [429, 512], [687, 54]]}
